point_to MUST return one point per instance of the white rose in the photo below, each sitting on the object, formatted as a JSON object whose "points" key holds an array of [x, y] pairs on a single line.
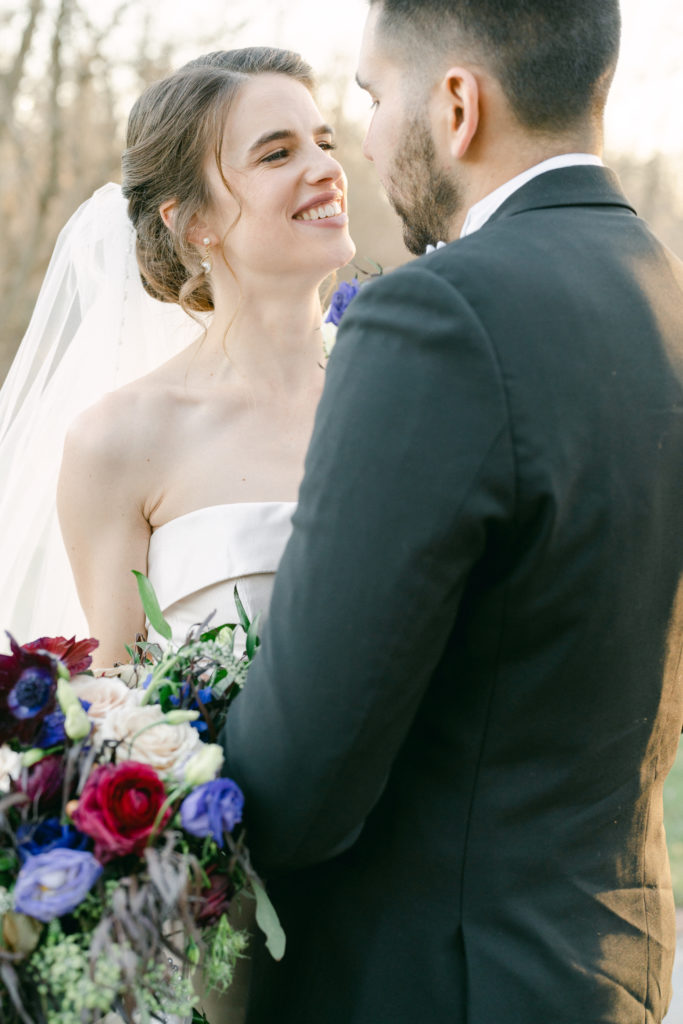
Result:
{"points": [[132, 675], [10, 767], [104, 697], [164, 747]]}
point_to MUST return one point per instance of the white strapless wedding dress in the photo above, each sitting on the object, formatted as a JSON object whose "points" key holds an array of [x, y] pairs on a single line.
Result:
{"points": [[194, 563], [196, 560]]}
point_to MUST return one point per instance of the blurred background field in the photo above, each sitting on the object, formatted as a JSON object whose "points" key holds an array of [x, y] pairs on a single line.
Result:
{"points": [[70, 69], [673, 816]]}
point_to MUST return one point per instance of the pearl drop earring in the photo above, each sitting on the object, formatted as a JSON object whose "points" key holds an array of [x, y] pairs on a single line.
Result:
{"points": [[205, 263]]}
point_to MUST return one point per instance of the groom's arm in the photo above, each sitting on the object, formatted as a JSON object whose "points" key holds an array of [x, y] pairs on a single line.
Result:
{"points": [[409, 458]]}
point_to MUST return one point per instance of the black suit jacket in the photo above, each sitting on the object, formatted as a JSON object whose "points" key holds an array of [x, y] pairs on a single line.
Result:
{"points": [[454, 738]]}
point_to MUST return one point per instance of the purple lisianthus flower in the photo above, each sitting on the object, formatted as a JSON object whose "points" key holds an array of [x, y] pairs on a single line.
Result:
{"points": [[212, 809], [54, 883], [346, 291], [47, 835]]}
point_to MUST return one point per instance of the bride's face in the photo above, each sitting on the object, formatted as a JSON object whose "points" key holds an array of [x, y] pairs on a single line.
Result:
{"points": [[284, 211]]}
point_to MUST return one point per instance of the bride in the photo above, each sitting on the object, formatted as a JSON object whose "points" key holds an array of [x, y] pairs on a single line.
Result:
{"points": [[190, 473]]}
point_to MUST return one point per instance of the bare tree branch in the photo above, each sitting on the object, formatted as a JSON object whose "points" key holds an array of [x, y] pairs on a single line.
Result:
{"points": [[11, 80]]}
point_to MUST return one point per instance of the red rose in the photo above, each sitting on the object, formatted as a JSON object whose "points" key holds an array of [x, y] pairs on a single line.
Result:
{"points": [[118, 808], [75, 654]]}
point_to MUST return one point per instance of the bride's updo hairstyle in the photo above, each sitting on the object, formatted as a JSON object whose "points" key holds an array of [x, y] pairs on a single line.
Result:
{"points": [[174, 125]]}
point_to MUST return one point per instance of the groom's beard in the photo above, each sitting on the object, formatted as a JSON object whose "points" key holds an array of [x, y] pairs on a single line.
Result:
{"points": [[423, 195]]}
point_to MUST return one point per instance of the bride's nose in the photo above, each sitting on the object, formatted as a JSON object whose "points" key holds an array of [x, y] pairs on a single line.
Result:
{"points": [[324, 167]]}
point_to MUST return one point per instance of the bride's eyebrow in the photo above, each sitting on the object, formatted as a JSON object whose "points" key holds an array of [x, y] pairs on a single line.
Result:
{"points": [[278, 136]]}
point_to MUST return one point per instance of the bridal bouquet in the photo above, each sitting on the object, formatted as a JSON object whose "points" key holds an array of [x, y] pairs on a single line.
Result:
{"points": [[120, 844]]}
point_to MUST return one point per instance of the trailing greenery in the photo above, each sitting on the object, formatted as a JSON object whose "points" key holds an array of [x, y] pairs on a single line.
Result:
{"points": [[224, 948], [61, 968]]}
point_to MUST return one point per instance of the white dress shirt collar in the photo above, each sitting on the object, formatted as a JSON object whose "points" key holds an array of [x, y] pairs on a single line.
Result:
{"points": [[478, 214]]}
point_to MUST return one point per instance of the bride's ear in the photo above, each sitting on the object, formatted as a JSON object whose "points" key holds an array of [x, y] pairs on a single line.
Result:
{"points": [[200, 234], [198, 231], [167, 212]]}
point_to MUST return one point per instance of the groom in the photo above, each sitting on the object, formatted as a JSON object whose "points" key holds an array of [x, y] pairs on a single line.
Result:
{"points": [[454, 739]]}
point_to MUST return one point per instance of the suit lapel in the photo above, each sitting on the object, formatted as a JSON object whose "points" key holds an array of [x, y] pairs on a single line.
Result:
{"points": [[567, 186]]}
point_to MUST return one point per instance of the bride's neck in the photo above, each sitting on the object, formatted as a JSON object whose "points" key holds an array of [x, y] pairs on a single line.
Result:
{"points": [[273, 337]]}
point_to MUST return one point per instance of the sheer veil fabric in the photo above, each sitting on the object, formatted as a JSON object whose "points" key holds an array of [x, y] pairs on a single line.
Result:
{"points": [[93, 329]]}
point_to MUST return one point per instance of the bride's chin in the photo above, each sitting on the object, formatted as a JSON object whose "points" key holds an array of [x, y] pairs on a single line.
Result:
{"points": [[345, 252]]}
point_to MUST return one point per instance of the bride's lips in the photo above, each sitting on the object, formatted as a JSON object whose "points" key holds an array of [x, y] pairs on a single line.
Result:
{"points": [[321, 204]]}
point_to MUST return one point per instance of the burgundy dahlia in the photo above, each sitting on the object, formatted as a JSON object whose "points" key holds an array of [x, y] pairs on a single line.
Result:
{"points": [[215, 898], [73, 653], [44, 782]]}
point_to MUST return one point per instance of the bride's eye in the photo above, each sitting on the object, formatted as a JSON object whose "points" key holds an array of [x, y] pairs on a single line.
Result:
{"points": [[328, 145], [279, 154]]}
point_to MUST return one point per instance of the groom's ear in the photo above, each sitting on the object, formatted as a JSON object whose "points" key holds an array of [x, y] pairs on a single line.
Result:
{"points": [[457, 101]]}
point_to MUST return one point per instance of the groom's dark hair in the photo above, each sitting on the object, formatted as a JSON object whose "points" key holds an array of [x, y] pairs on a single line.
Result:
{"points": [[555, 59]]}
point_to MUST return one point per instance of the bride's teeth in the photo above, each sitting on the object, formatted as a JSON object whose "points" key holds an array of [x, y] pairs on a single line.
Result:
{"points": [[320, 212]]}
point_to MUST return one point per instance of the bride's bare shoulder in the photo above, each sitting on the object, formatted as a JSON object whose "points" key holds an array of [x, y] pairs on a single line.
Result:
{"points": [[117, 429]]}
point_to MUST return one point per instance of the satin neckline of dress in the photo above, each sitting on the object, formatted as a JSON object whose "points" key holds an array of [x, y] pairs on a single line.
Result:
{"points": [[241, 505]]}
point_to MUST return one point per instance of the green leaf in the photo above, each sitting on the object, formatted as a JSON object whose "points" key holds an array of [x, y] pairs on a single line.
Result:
{"points": [[221, 633], [151, 606], [244, 618], [268, 922], [252, 637]]}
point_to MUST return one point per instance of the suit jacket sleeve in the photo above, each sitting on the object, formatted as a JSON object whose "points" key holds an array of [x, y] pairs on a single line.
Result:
{"points": [[410, 459]]}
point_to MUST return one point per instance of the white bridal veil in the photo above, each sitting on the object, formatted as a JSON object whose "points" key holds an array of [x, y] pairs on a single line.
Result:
{"points": [[94, 328]]}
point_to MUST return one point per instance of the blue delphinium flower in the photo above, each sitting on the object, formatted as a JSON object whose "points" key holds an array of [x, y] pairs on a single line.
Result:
{"points": [[54, 883], [346, 291], [212, 809], [47, 835], [205, 695], [51, 732]]}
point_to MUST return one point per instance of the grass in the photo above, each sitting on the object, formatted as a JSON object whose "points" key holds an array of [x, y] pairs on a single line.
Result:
{"points": [[673, 818]]}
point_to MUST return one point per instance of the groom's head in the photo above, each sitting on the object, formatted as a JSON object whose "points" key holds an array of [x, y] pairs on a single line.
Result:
{"points": [[468, 93]]}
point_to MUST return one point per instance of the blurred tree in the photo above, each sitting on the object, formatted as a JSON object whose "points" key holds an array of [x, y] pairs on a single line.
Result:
{"points": [[654, 188], [60, 133]]}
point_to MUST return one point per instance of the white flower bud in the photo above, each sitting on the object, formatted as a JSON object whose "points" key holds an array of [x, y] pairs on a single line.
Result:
{"points": [[329, 333], [66, 696], [205, 765], [179, 717], [77, 725]]}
